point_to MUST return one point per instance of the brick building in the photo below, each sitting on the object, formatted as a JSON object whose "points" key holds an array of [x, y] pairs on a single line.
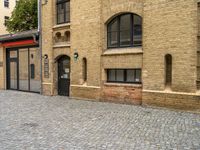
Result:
{"points": [[127, 51], [124, 51]]}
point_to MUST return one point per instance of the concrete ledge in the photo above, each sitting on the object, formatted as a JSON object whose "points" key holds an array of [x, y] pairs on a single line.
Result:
{"points": [[85, 86], [123, 51], [61, 25], [61, 45], [122, 84], [172, 92]]}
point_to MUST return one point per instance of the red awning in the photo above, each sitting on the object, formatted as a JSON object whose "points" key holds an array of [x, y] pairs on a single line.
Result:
{"points": [[18, 43]]}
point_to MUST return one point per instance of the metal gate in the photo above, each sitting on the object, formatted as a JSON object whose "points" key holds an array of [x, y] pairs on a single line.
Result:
{"points": [[23, 69]]}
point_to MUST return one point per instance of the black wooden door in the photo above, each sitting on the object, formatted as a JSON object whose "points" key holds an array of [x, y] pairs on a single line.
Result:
{"points": [[64, 76]]}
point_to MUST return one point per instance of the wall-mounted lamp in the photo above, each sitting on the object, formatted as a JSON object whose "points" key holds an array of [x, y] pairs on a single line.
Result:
{"points": [[76, 55], [45, 56]]}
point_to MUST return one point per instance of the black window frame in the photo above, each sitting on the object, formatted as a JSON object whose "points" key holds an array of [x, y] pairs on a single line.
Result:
{"points": [[6, 3], [16, 59], [61, 2], [118, 18], [6, 18], [125, 76]]}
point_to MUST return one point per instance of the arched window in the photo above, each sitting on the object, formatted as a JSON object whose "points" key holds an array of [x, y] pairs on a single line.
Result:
{"points": [[125, 31], [84, 69], [63, 11], [58, 37], [67, 36], [168, 70]]}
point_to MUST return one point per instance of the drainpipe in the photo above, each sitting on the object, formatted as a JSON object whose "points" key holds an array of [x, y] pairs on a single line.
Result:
{"points": [[35, 39], [40, 41]]}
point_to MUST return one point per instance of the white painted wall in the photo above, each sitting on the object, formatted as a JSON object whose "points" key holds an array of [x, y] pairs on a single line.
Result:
{"points": [[4, 11]]}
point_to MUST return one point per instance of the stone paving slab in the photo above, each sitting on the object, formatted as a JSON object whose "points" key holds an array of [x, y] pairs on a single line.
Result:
{"points": [[34, 122]]}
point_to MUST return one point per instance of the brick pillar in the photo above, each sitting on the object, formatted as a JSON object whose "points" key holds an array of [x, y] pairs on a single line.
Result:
{"points": [[2, 68]]}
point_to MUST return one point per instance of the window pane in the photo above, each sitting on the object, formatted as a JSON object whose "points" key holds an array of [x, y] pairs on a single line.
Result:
{"points": [[113, 26], [120, 75], [137, 31], [23, 70], [34, 58], [67, 17], [125, 39], [66, 68], [60, 10], [13, 75], [67, 5], [125, 22], [112, 39], [130, 76], [125, 30], [13, 54], [138, 75], [111, 75]]}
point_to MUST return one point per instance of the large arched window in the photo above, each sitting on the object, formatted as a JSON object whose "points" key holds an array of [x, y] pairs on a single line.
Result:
{"points": [[125, 31]]}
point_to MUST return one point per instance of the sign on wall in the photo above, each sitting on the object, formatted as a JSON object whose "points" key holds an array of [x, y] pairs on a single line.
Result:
{"points": [[46, 68]]}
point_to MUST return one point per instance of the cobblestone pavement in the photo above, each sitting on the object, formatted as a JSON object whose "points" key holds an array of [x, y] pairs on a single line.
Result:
{"points": [[31, 121]]}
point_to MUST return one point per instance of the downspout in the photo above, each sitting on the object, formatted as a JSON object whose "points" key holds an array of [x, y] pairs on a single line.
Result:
{"points": [[40, 41], [35, 39]]}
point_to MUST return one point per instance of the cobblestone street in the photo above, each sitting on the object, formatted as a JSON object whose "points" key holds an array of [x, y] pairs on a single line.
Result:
{"points": [[31, 121]]}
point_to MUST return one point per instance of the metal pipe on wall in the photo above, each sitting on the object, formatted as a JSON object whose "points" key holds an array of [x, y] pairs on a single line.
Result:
{"points": [[40, 41]]}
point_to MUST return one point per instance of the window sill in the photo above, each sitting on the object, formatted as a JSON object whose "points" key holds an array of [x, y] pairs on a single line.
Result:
{"points": [[123, 51], [61, 45], [61, 25], [123, 84]]}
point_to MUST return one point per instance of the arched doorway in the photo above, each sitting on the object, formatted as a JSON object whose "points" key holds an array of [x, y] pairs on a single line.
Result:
{"points": [[64, 76]]}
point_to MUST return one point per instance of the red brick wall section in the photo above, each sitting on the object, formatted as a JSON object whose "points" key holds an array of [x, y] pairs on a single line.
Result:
{"points": [[125, 94]]}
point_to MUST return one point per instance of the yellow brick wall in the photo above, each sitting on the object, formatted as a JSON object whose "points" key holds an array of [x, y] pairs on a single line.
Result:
{"points": [[85, 40], [172, 100], [170, 27], [47, 44], [2, 68]]}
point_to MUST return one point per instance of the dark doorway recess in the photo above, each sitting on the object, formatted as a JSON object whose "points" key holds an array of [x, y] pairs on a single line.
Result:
{"points": [[64, 76], [21, 75]]}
